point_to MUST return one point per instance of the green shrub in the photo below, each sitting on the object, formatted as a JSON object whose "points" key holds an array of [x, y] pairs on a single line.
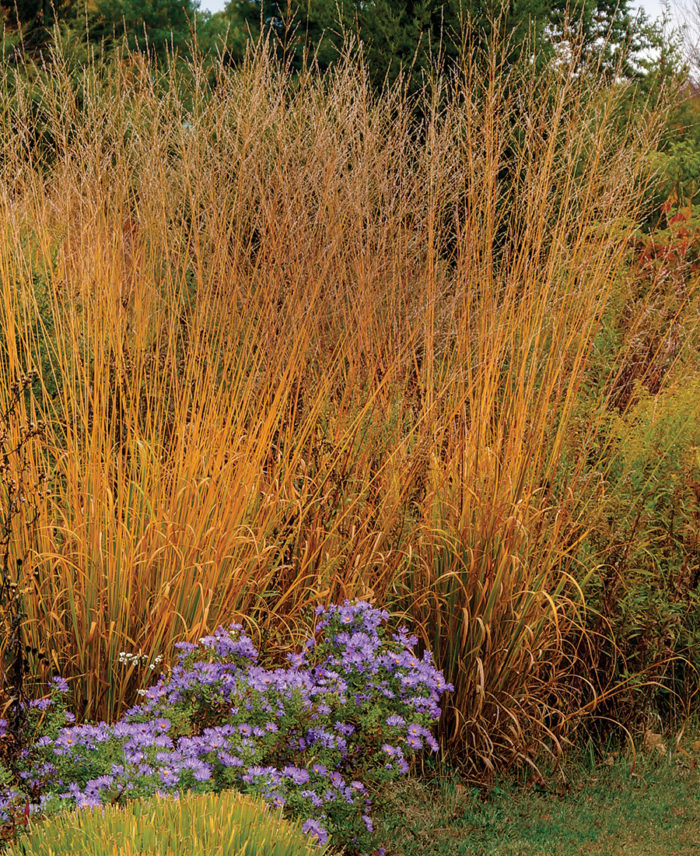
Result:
{"points": [[647, 590], [196, 824]]}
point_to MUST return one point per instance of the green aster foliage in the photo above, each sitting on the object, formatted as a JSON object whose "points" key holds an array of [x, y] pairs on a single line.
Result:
{"points": [[228, 824]]}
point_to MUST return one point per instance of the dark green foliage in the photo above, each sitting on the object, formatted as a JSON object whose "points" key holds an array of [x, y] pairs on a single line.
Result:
{"points": [[153, 26], [611, 34], [424, 35], [679, 157], [418, 36], [663, 81], [30, 22]]}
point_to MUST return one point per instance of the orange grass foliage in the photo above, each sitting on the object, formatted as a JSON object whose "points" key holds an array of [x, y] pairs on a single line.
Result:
{"points": [[311, 346]]}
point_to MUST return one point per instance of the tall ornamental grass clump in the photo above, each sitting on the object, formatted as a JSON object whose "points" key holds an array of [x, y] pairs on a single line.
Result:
{"points": [[301, 341], [226, 824]]}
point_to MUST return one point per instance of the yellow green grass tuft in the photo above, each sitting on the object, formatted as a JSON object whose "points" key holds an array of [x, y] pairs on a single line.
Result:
{"points": [[225, 824]]}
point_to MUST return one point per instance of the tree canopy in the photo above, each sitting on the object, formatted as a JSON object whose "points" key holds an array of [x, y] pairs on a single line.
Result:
{"points": [[31, 21], [153, 26], [147, 24], [419, 34], [414, 35]]}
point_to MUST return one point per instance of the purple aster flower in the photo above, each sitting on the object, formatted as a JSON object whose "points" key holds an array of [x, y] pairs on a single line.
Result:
{"points": [[201, 771], [134, 756], [185, 647], [230, 760], [94, 787], [269, 773], [169, 777], [313, 827], [85, 801], [59, 684], [298, 775], [314, 798]]}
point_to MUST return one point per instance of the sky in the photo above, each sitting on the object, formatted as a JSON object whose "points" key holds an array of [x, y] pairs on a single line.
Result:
{"points": [[212, 5]]}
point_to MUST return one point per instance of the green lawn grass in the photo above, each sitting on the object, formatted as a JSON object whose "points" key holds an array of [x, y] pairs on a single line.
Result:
{"points": [[602, 807]]}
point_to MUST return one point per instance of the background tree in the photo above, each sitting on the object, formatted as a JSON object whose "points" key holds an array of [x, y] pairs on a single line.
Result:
{"points": [[690, 15], [29, 23], [417, 34], [153, 26]]}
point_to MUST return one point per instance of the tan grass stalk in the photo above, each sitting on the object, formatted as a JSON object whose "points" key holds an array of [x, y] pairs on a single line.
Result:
{"points": [[297, 347]]}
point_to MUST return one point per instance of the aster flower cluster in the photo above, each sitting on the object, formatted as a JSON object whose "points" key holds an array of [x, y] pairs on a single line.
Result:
{"points": [[315, 739]]}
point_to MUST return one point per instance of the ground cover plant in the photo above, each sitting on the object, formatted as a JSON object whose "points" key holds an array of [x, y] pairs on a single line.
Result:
{"points": [[300, 341], [604, 800], [316, 739]]}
